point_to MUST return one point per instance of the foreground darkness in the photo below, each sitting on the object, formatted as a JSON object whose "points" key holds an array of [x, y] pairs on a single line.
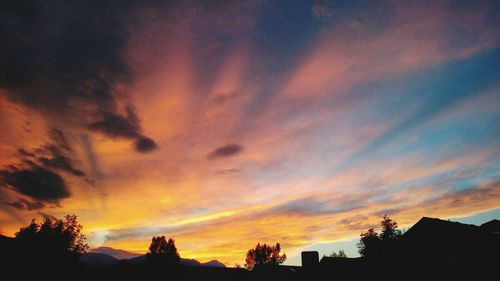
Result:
{"points": [[432, 249]]}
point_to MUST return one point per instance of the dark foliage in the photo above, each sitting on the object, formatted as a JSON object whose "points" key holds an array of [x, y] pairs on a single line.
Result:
{"points": [[62, 238], [372, 244], [53, 244], [369, 244], [264, 255], [163, 252]]}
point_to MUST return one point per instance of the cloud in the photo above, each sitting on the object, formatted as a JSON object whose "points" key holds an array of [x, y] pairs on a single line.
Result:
{"points": [[128, 126], [57, 160], [68, 59], [91, 156], [401, 39], [313, 207], [118, 126], [25, 153], [23, 204], [60, 139], [54, 154], [36, 182], [290, 190], [227, 150], [61, 162], [145, 144]]}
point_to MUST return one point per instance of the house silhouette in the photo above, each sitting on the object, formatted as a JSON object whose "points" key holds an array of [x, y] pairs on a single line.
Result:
{"points": [[432, 248]]}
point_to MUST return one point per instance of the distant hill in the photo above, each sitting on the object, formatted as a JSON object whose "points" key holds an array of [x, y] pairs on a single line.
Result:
{"points": [[187, 262], [5, 239], [134, 258], [190, 262], [116, 253], [213, 263]]}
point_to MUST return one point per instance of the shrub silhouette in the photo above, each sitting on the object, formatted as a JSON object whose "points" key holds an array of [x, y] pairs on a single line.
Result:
{"points": [[264, 255], [339, 254], [163, 252]]}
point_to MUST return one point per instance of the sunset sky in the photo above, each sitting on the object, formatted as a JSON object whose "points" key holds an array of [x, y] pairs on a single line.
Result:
{"points": [[226, 123]]}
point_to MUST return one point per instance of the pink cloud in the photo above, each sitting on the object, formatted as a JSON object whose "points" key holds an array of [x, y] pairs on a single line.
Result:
{"points": [[416, 38]]}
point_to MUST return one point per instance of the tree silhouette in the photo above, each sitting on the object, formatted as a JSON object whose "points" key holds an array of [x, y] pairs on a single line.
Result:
{"points": [[264, 255], [340, 254], [369, 244], [389, 229], [54, 240], [163, 252]]}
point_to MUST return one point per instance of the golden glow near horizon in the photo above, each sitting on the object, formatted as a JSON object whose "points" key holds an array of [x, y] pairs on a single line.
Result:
{"points": [[267, 135]]}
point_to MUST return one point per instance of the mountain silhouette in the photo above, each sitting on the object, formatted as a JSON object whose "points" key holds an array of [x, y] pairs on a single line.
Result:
{"points": [[116, 253], [101, 256], [213, 263]]}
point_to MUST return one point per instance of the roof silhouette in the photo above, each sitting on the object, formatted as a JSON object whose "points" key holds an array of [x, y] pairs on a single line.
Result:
{"points": [[491, 226]]}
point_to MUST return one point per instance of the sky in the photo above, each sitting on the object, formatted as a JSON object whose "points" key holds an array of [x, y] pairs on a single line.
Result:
{"points": [[226, 123]]}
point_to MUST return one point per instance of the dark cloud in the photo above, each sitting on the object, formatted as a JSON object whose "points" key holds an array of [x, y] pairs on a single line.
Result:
{"points": [[36, 182], [125, 126], [54, 154], [119, 126], [225, 151], [145, 144], [61, 162], [23, 204], [60, 139], [68, 59], [25, 153]]}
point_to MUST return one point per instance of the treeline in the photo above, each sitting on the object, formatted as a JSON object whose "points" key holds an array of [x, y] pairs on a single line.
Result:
{"points": [[63, 242]]}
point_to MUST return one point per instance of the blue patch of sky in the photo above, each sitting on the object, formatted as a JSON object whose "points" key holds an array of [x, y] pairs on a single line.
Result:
{"points": [[479, 218], [440, 88]]}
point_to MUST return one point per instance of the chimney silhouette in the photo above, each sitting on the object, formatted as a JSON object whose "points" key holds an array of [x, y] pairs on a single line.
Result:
{"points": [[310, 259]]}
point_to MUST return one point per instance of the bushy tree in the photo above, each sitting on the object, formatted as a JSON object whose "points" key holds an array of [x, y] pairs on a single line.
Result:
{"points": [[264, 255], [54, 241], [163, 251], [369, 244], [55, 235]]}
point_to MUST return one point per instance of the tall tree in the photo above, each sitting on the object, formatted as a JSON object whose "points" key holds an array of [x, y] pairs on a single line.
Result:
{"points": [[389, 229], [264, 255]]}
